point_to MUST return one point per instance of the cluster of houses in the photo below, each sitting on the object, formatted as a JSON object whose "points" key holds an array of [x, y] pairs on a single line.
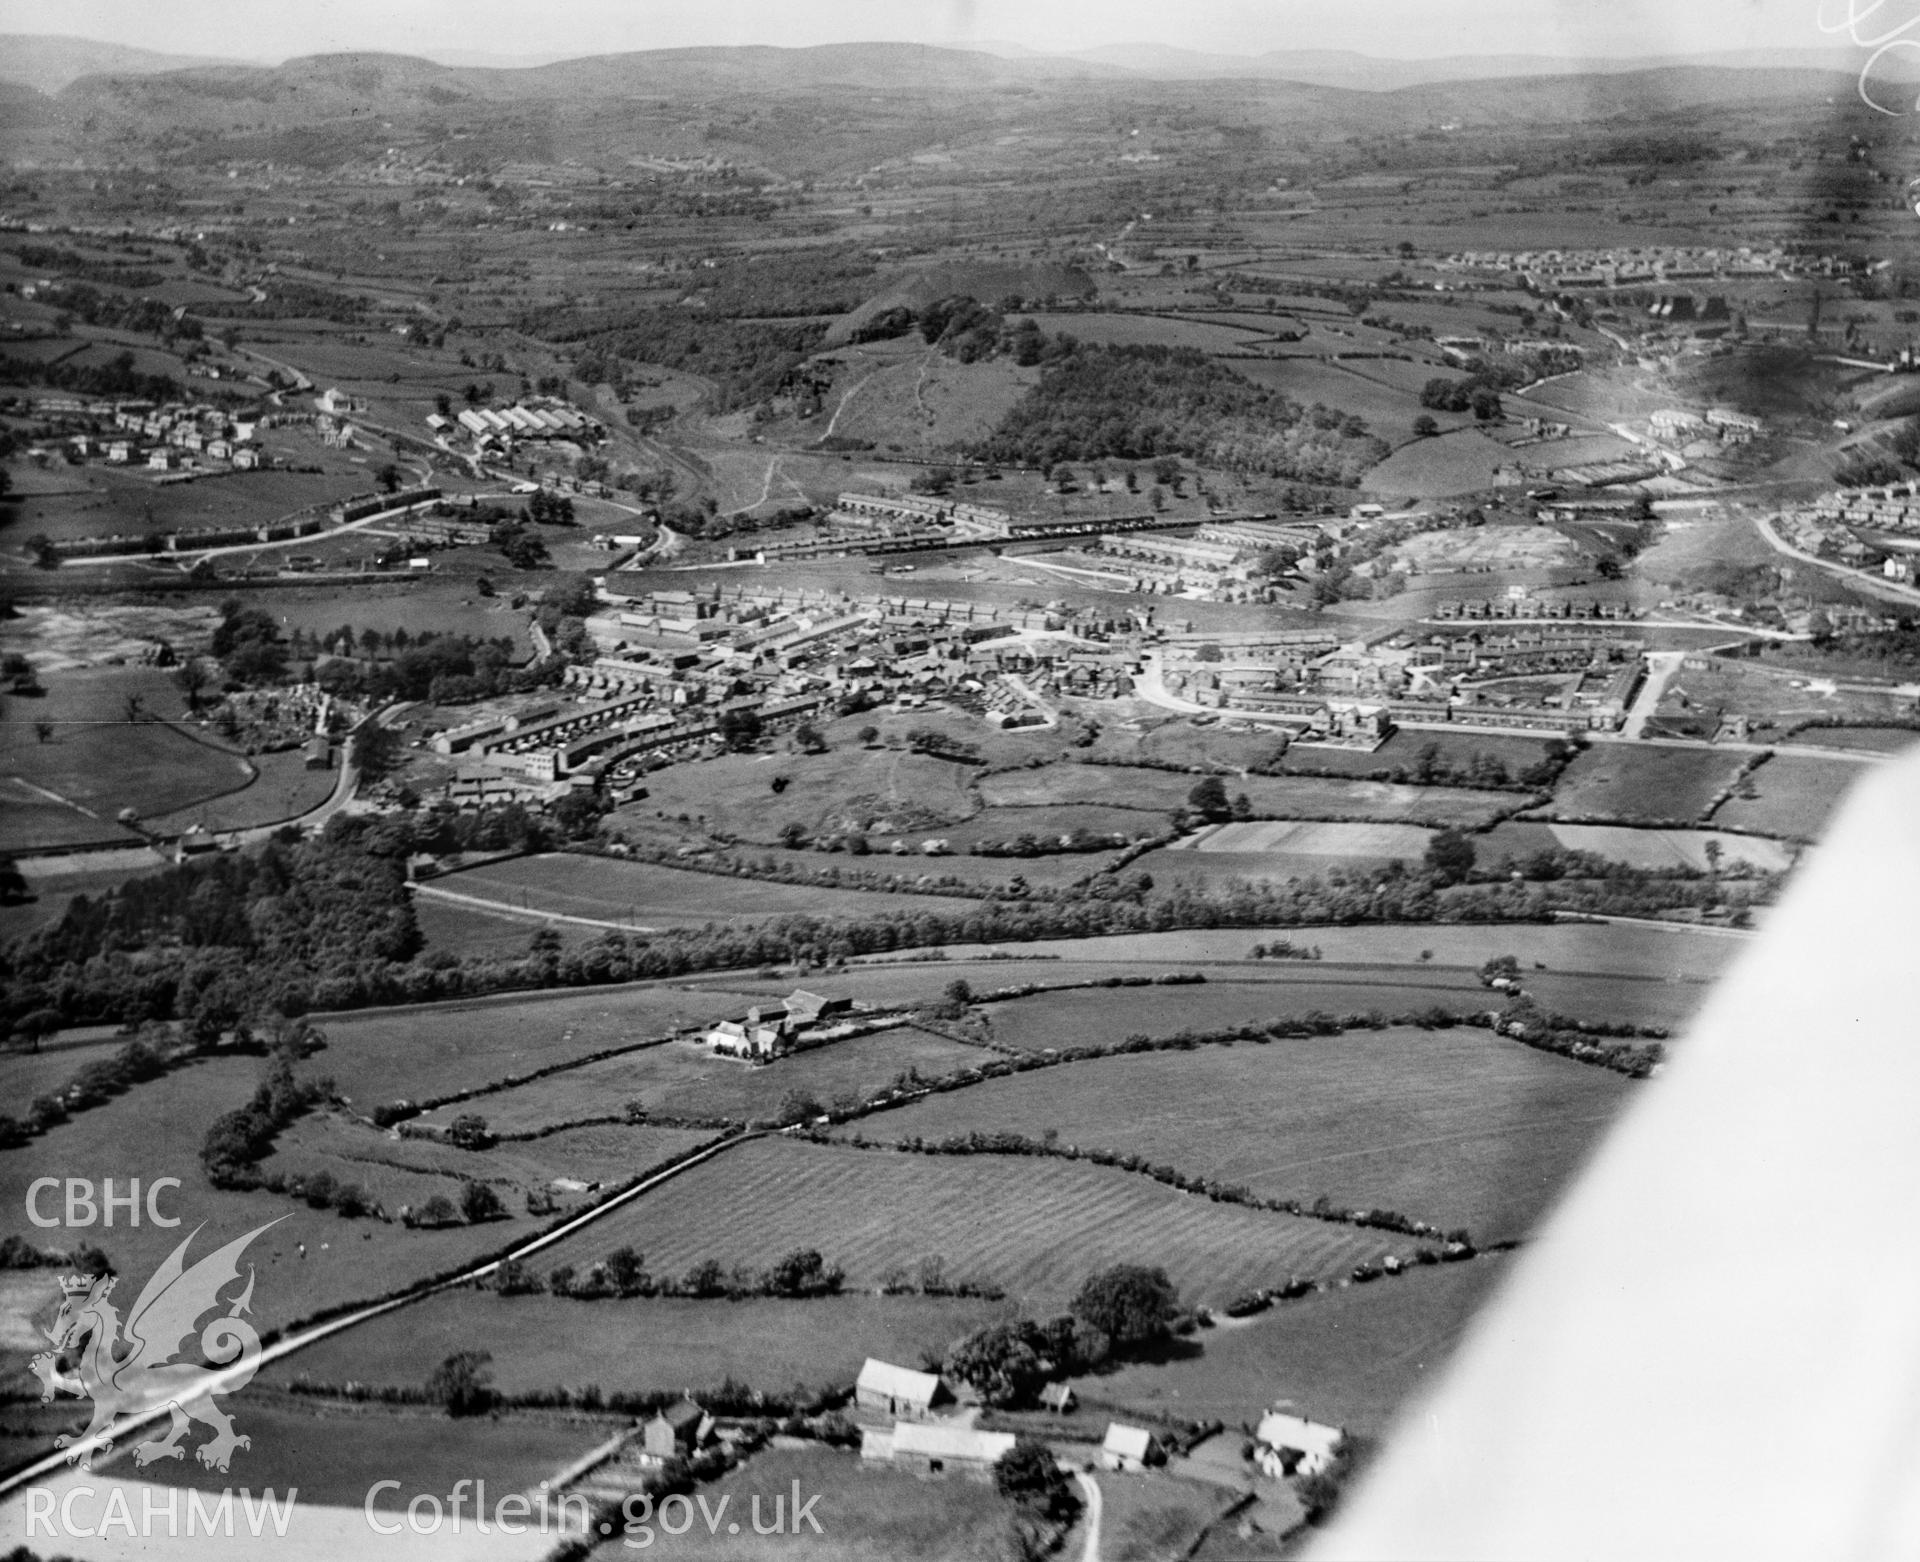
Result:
{"points": [[1558, 270], [912, 1420], [156, 436], [1728, 425], [764, 1033]]}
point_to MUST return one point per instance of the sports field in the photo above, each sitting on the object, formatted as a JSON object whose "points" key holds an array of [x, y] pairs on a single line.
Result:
{"points": [[1454, 1127], [1036, 1227]]}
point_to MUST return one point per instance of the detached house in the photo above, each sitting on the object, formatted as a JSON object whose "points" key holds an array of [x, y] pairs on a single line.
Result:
{"points": [[1291, 1445], [1129, 1448], [675, 1431]]}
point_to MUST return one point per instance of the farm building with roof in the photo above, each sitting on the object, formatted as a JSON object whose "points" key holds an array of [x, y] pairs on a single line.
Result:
{"points": [[939, 1448], [898, 1391]]}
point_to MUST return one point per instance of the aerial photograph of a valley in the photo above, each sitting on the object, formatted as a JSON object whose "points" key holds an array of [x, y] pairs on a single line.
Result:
{"points": [[888, 782]]}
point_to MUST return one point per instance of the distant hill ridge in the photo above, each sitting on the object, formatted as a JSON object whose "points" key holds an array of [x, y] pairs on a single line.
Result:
{"points": [[50, 63]]}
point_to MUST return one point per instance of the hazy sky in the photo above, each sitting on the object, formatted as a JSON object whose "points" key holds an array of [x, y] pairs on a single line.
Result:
{"points": [[263, 30]]}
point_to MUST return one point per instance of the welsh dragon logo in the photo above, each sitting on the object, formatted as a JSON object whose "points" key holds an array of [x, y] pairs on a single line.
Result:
{"points": [[130, 1371]]}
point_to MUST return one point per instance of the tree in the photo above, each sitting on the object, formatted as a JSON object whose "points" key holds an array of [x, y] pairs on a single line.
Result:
{"points": [[868, 736], [463, 1383], [959, 992], [1028, 1473], [807, 736], [1424, 427], [469, 1130], [740, 729], [43, 731], [1001, 1362], [479, 1203], [1500, 967], [1129, 1303], [1209, 796], [191, 676], [1450, 856], [388, 477]]}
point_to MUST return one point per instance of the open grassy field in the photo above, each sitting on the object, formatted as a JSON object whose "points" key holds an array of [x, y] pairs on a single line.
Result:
{"points": [[879, 790], [1796, 795], [1628, 783], [1454, 1127], [1137, 330], [1871, 740], [399, 1172], [1386, 409], [1101, 1016], [470, 930], [100, 762], [104, 501], [1351, 1358], [334, 1453], [1638, 846], [284, 788], [1405, 746], [867, 1513], [156, 1130], [683, 1078], [434, 1050], [1305, 797], [1050, 822], [1405, 841], [1456, 463], [1036, 1227], [645, 1343], [644, 895], [1154, 1517], [922, 401]]}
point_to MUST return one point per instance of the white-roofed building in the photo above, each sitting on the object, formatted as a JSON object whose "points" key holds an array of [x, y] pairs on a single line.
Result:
{"points": [[1291, 1445], [1129, 1448], [898, 1391], [937, 1448]]}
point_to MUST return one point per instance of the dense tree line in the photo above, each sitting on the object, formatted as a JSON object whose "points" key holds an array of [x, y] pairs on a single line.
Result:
{"points": [[115, 378], [1134, 403]]}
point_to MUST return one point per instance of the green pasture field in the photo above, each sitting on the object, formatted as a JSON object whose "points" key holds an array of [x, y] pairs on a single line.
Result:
{"points": [[881, 790], [1305, 797], [30, 821], [642, 1344], [335, 1454], [1037, 1228], [1628, 783], [104, 501], [684, 1079], [1593, 948], [447, 607], [53, 893], [24, 1075], [437, 1049], [1454, 1127], [1457, 463], [1639, 848], [99, 760], [645, 895], [1797, 795], [1871, 740], [1154, 1516], [1387, 410], [1374, 841], [156, 1130], [1050, 822], [284, 789], [1225, 873], [1404, 748], [468, 930], [928, 402], [1131, 330], [410, 1171], [1351, 1358]]}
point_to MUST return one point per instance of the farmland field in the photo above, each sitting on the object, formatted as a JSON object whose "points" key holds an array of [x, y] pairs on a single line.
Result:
{"points": [[1626, 782], [1275, 796], [1351, 1357], [1387, 410], [1036, 1227], [644, 895], [879, 789], [101, 762], [284, 789], [1052, 822], [1455, 463], [683, 1078], [1637, 846], [472, 930], [156, 1130], [1130, 330], [422, 1052], [1872, 740], [1455, 1127], [1798, 794], [1381, 841], [1404, 748], [1102, 1016], [643, 1343]]}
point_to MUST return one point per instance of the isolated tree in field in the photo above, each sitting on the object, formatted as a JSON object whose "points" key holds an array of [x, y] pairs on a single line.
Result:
{"points": [[43, 731], [869, 736], [1500, 966], [959, 993], [135, 708], [1210, 797], [463, 1383], [469, 1130], [1424, 427], [479, 1203], [388, 477], [807, 737], [1450, 856], [1129, 1303]]}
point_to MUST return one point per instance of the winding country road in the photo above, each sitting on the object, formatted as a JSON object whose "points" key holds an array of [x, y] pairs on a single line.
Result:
{"points": [[1091, 1551]]}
